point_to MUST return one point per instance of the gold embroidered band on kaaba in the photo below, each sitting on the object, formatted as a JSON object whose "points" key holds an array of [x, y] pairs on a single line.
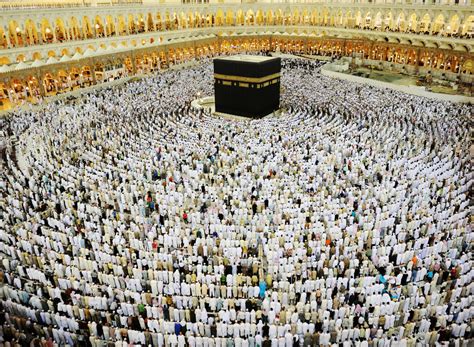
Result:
{"points": [[246, 79]]}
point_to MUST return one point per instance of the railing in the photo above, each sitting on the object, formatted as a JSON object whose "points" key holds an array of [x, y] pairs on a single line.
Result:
{"points": [[446, 35], [20, 5], [34, 4], [6, 4]]}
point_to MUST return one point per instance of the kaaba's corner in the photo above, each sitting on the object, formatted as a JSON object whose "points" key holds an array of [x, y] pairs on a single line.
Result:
{"points": [[247, 85]]}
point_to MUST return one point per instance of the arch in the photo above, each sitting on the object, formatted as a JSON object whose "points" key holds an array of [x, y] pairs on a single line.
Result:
{"points": [[75, 28], [240, 17], [4, 61], [425, 23], [332, 18], [31, 32], [295, 18], [158, 21], [339, 18], [60, 30], [209, 20], [325, 17], [348, 20], [140, 23], [287, 16], [358, 19], [121, 25], [18, 88], [4, 95], [412, 23], [438, 24], [259, 18], [36, 56], [454, 25], [175, 21], [49, 84], [74, 76], [167, 21], [230, 18], [250, 17], [131, 27], [468, 27], [306, 17], [388, 21], [99, 71], [99, 27], [64, 80], [149, 22], [32, 87], [278, 17], [198, 20], [191, 21], [468, 66], [109, 25], [3, 38], [401, 22], [220, 17], [15, 33], [65, 52], [377, 23], [46, 31], [87, 28], [20, 58]]}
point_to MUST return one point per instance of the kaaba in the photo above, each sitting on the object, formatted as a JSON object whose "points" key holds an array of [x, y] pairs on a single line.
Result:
{"points": [[247, 85]]}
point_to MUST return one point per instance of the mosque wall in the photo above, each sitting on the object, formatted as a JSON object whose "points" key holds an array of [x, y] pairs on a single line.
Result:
{"points": [[32, 83]]}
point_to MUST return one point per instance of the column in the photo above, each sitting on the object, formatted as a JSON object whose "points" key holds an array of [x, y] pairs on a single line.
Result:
{"points": [[104, 27], [23, 37], [40, 83], [40, 33], [67, 32], [7, 38], [418, 53], [116, 26], [134, 64], [127, 26], [15, 39], [219, 42], [92, 65]]}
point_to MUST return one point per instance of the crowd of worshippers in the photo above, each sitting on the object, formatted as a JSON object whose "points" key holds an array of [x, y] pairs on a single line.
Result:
{"points": [[134, 219]]}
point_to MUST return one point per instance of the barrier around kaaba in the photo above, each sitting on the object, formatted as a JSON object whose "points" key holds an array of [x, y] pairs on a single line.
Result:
{"points": [[247, 85]]}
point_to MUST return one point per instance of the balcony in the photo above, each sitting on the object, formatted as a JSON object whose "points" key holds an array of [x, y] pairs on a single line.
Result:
{"points": [[51, 4]]}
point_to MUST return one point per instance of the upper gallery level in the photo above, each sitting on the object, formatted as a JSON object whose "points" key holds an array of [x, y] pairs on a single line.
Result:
{"points": [[56, 29], [94, 19]]}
